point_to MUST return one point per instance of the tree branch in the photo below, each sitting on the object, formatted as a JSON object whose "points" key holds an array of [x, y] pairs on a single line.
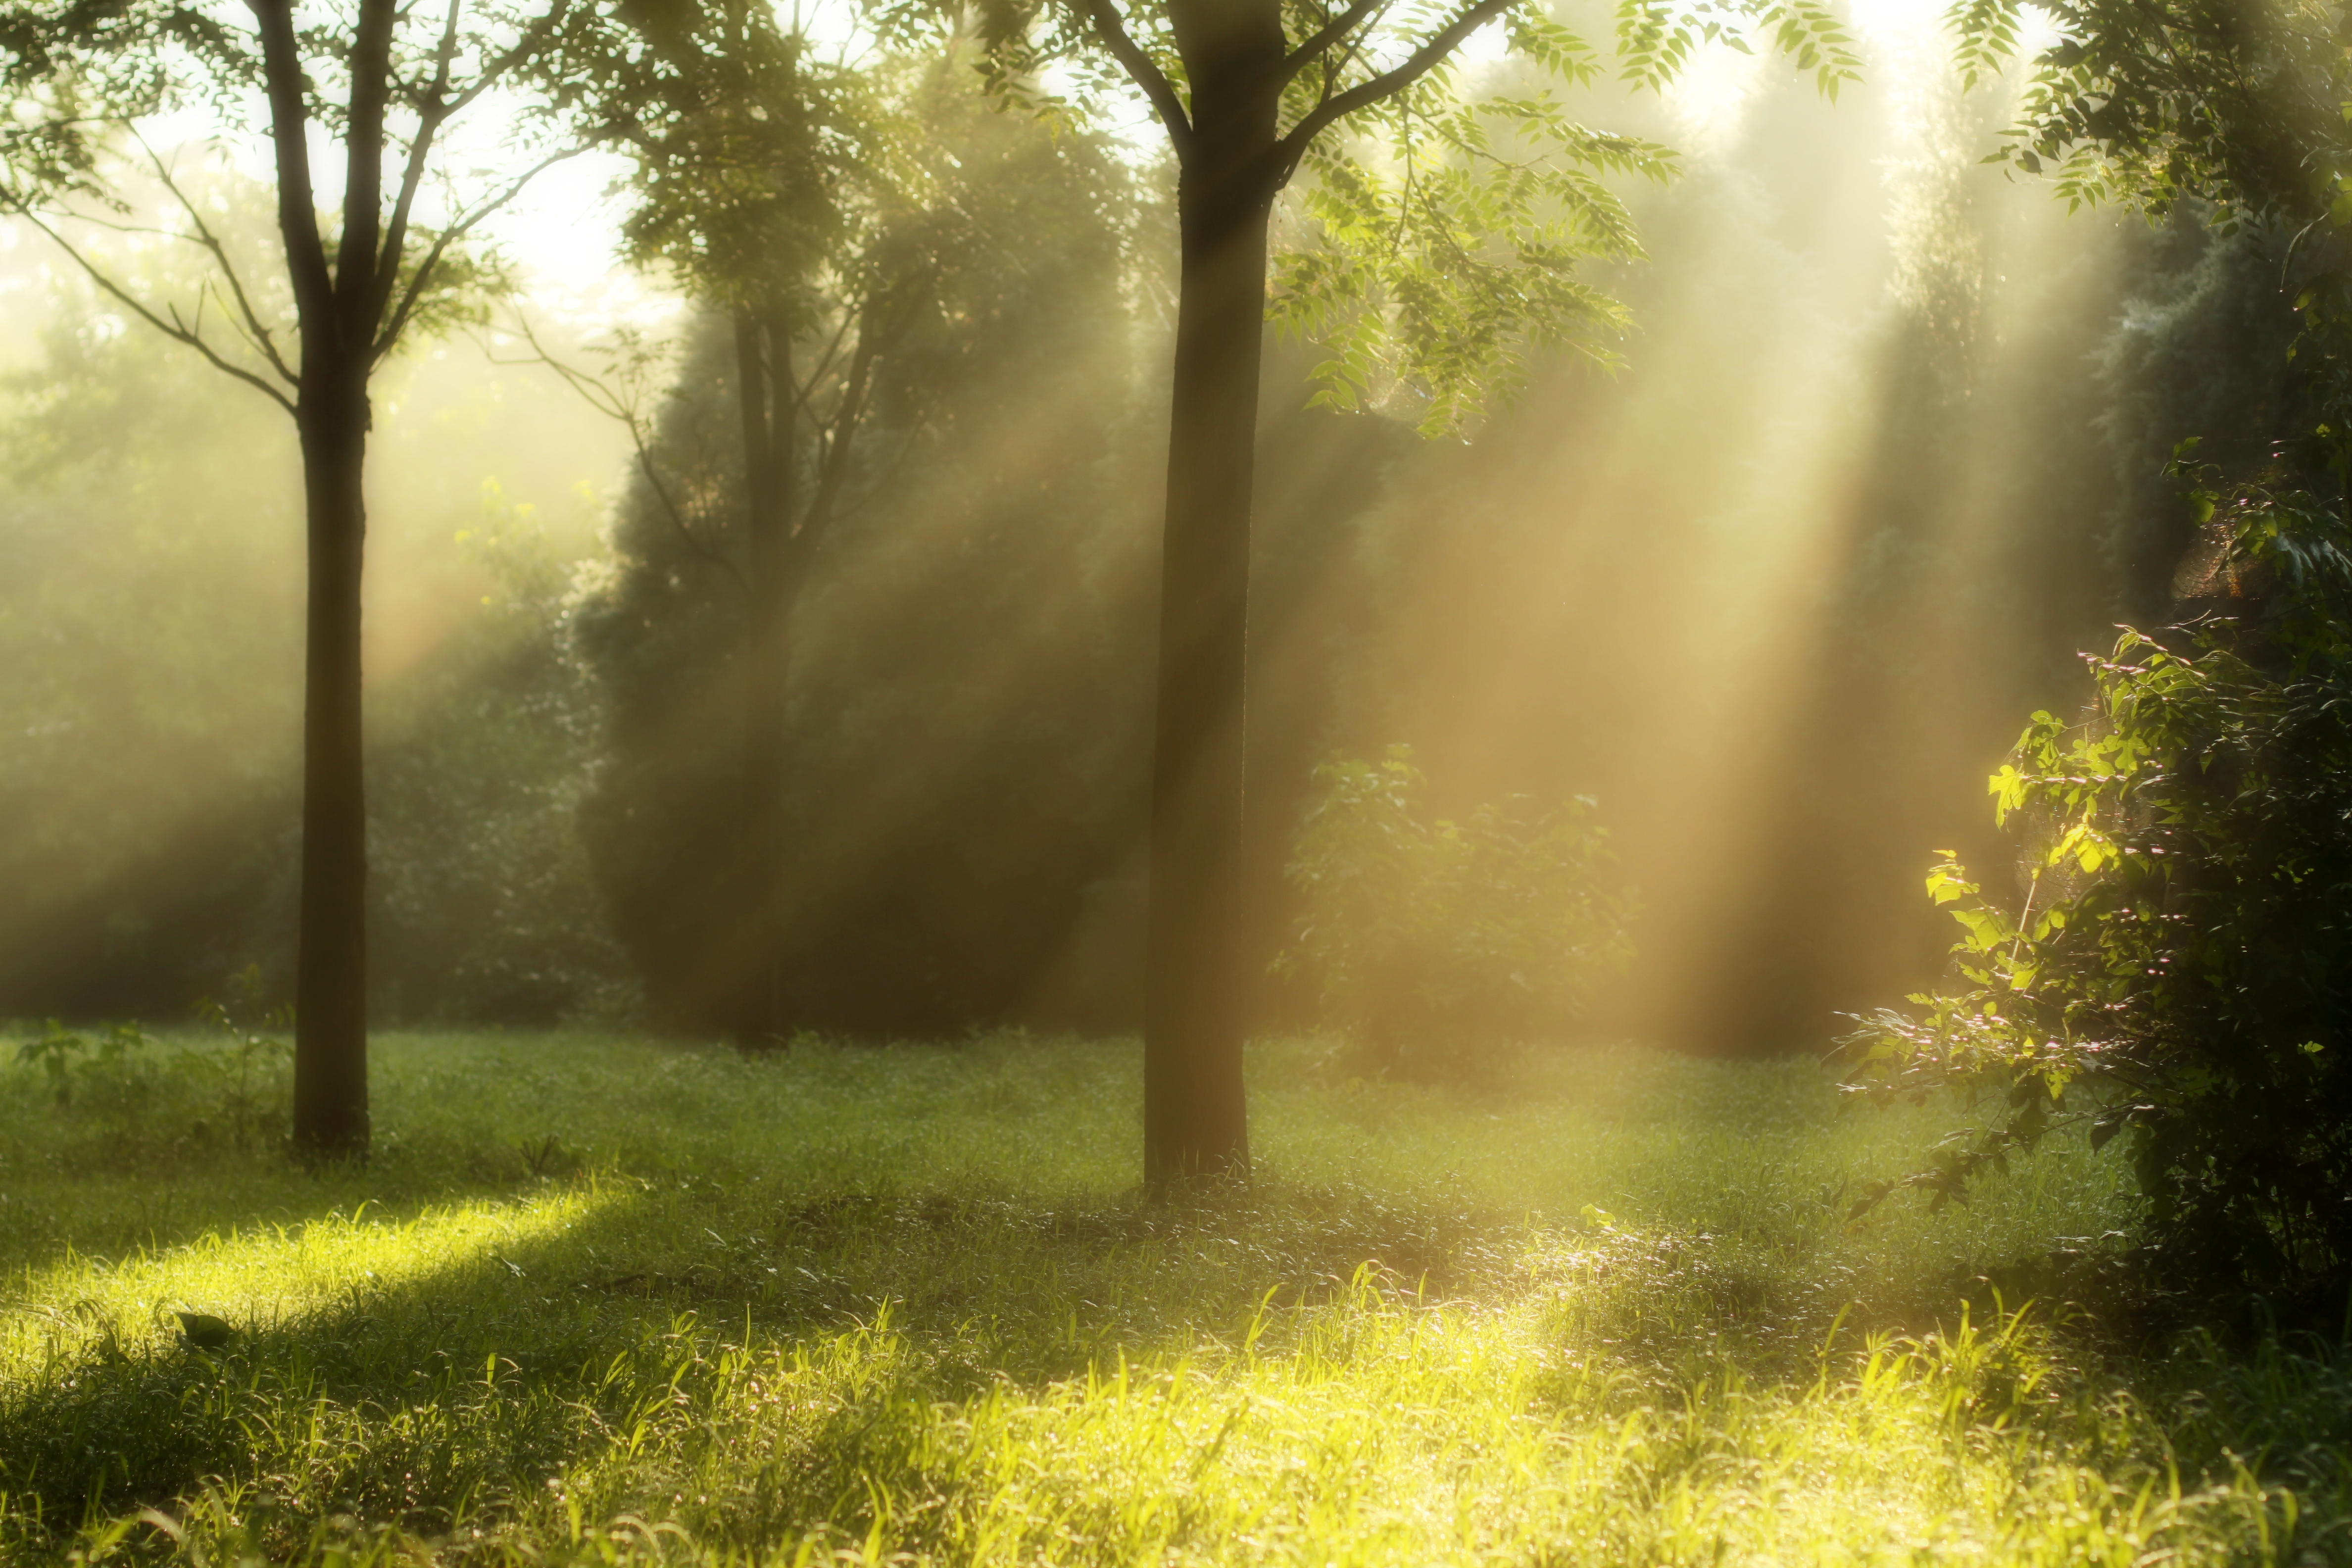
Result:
{"points": [[297, 212], [1325, 36], [677, 519], [604, 400], [256, 334], [807, 389], [1449, 37], [388, 337], [874, 342], [431, 111], [358, 257], [173, 329], [434, 111], [1138, 65]]}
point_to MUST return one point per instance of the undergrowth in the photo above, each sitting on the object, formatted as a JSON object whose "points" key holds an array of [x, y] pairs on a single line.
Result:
{"points": [[601, 1301]]}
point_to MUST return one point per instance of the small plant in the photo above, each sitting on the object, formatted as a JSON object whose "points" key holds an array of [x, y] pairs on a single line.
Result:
{"points": [[2176, 972], [250, 1072], [69, 1059], [548, 1156], [124, 1083], [1433, 938]]}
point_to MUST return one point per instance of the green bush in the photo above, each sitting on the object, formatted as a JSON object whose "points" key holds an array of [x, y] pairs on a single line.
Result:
{"points": [[2177, 972], [1430, 939]]}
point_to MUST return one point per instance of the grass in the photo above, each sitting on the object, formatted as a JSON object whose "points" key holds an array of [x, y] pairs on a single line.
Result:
{"points": [[598, 1300]]}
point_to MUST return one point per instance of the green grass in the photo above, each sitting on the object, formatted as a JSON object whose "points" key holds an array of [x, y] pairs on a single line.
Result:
{"points": [[599, 1300]]}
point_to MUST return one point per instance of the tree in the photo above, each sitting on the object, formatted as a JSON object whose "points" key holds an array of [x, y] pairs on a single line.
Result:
{"points": [[1446, 231], [783, 190], [385, 81], [1002, 251], [140, 536]]}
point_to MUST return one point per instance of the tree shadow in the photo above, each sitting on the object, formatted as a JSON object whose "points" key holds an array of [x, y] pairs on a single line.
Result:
{"points": [[508, 1359]]}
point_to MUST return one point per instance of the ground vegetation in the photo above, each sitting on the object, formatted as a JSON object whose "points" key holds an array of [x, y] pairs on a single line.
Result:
{"points": [[599, 1299]]}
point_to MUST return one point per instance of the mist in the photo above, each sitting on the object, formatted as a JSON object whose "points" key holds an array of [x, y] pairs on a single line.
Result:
{"points": [[1778, 593]]}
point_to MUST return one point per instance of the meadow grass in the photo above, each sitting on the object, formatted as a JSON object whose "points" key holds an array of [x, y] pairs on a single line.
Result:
{"points": [[605, 1300]]}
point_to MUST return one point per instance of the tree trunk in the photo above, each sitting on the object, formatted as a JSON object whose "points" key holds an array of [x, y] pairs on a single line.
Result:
{"points": [[1194, 1119], [331, 1077], [765, 398]]}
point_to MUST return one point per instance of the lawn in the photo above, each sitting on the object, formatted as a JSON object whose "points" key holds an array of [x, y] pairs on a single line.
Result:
{"points": [[599, 1299]]}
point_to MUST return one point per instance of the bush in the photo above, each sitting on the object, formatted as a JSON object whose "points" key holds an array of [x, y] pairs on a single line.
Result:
{"points": [[2177, 972], [1431, 938]]}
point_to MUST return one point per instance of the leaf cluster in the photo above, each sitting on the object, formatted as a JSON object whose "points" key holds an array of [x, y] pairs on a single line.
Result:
{"points": [[2239, 103], [1476, 216], [2175, 974], [1443, 227], [750, 146], [1436, 237]]}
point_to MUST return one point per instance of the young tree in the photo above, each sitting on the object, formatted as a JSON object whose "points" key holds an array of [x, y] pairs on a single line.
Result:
{"points": [[1444, 232], [385, 81]]}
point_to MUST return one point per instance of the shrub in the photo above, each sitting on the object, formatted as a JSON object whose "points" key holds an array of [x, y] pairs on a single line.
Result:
{"points": [[2175, 974], [1430, 938]]}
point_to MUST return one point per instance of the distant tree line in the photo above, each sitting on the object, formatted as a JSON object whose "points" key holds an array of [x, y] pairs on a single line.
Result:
{"points": [[964, 847], [890, 713]]}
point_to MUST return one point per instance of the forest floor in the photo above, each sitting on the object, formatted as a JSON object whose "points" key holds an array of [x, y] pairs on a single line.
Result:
{"points": [[602, 1299]]}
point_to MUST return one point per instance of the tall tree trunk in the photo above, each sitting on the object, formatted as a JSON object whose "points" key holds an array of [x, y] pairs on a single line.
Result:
{"points": [[331, 1077], [1194, 1119], [763, 376]]}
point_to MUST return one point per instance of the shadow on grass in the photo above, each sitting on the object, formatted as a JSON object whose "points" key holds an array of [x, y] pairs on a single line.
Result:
{"points": [[774, 1297], [498, 1364]]}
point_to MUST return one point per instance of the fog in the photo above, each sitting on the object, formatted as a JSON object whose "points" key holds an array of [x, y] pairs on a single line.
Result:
{"points": [[1778, 593]]}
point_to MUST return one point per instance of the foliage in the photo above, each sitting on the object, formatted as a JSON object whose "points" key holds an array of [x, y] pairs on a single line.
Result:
{"points": [[946, 808], [1479, 212], [1430, 939], [2177, 982], [69, 1060], [1433, 246], [2186, 100], [483, 903], [2230, 113], [2175, 972], [757, 153], [141, 1096]]}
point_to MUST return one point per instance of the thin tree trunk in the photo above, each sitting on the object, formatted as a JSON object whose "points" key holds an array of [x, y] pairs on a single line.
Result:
{"points": [[765, 398], [330, 1047], [1195, 1119]]}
